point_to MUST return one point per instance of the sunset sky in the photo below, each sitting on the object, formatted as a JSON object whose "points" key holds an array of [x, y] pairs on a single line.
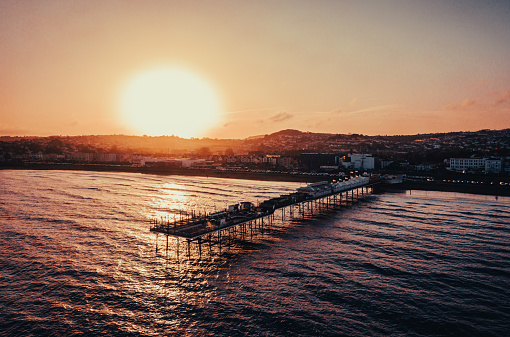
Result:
{"points": [[370, 67]]}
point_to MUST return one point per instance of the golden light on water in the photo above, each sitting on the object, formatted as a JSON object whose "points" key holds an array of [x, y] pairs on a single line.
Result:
{"points": [[169, 101], [171, 202]]}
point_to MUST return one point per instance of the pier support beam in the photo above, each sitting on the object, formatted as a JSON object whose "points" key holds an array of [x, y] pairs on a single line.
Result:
{"points": [[200, 247], [177, 249]]}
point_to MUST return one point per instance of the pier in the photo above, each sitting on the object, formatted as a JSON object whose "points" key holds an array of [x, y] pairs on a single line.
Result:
{"points": [[246, 219]]}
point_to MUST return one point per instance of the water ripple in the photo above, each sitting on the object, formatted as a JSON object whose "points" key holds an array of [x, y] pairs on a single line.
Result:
{"points": [[77, 258]]}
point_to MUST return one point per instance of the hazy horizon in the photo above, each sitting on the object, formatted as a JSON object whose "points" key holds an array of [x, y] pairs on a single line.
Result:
{"points": [[254, 136]]}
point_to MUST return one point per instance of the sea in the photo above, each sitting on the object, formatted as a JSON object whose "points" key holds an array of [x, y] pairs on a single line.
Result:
{"points": [[77, 258]]}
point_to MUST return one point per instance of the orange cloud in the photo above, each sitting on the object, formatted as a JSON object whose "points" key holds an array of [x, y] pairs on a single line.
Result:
{"points": [[505, 97], [280, 117], [460, 106], [378, 108]]}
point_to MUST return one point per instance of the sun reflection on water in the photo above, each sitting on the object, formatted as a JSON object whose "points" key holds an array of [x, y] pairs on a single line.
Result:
{"points": [[171, 201]]}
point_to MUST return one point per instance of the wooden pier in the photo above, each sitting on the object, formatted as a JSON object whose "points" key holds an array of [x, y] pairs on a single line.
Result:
{"points": [[244, 220]]}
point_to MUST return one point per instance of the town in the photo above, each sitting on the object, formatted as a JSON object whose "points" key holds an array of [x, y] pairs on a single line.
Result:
{"points": [[483, 153]]}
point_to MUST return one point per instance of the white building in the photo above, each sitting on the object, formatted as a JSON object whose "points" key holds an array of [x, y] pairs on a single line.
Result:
{"points": [[465, 164], [360, 162], [105, 157], [493, 165], [190, 162], [138, 160], [81, 157]]}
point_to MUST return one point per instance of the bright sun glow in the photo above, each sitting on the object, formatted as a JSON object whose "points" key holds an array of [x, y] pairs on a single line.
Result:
{"points": [[169, 101]]}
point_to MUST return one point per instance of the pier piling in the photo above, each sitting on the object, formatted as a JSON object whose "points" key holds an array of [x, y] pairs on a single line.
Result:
{"points": [[236, 220]]}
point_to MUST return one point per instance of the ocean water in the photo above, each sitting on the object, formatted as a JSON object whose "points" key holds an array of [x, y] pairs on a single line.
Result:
{"points": [[77, 259]]}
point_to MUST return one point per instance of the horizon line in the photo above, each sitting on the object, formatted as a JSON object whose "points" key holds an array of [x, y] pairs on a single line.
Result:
{"points": [[255, 136]]}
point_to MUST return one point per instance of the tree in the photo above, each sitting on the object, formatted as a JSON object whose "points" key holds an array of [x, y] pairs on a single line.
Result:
{"points": [[204, 151]]}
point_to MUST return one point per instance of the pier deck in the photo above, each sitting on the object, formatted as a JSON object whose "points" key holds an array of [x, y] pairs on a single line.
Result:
{"points": [[309, 200]]}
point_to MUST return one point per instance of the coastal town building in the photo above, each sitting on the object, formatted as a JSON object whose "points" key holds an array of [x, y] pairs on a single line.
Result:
{"points": [[314, 161], [80, 157], [105, 157], [357, 161], [491, 165], [278, 160]]}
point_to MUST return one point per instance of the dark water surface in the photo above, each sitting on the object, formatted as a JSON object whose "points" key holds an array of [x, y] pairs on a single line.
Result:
{"points": [[77, 258]]}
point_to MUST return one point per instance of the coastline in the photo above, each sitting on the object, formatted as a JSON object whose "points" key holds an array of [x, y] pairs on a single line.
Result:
{"points": [[489, 189], [486, 189], [263, 176]]}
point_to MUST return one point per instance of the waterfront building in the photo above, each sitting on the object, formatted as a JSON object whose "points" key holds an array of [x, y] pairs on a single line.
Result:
{"points": [[493, 165], [360, 162], [467, 164], [81, 157], [489, 165], [105, 157], [314, 161]]}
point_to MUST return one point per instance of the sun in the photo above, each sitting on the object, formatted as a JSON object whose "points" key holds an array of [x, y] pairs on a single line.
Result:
{"points": [[169, 101]]}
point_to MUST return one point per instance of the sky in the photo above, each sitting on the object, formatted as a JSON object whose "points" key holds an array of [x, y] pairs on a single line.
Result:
{"points": [[380, 67]]}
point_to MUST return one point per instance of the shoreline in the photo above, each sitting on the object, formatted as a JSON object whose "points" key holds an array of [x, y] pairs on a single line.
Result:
{"points": [[263, 176], [495, 190], [487, 189]]}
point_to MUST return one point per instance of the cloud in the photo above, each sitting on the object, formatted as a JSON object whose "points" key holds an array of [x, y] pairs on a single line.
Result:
{"points": [[377, 108], [252, 110], [505, 97], [384, 107], [280, 117], [460, 106], [353, 102]]}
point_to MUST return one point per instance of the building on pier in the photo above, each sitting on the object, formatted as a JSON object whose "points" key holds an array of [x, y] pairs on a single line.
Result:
{"points": [[193, 226]]}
